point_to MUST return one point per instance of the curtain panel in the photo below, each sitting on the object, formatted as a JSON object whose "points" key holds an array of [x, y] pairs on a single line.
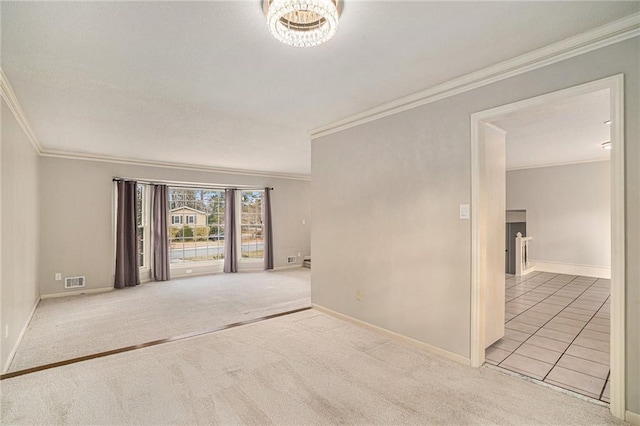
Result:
{"points": [[127, 262], [230, 247], [161, 260]]}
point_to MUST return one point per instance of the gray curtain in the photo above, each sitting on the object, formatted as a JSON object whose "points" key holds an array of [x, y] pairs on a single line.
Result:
{"points": [[161, 261], [230, 248], [268, 230], [127, 262]]}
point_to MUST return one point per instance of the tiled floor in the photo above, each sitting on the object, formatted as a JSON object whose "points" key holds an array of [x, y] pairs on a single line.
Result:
{"points": [[557, 330]]}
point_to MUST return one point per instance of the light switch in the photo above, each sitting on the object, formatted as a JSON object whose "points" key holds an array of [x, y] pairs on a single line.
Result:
{"points": [[464, 211]]}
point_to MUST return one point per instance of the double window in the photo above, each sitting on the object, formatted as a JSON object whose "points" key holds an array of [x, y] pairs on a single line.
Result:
{"points": [[196, 225]]}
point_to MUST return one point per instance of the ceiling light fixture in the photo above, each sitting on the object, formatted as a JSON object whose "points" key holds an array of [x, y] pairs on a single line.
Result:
{"points": [[302, 23], [606, 145]]}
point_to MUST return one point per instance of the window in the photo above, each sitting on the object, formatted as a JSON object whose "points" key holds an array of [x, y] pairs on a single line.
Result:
{"points": [[141, 222], [251, 235], [196, 232]]}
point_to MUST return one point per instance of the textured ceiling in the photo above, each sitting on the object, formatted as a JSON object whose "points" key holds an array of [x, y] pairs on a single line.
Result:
{"points": [[567, 131], [204, 83]]}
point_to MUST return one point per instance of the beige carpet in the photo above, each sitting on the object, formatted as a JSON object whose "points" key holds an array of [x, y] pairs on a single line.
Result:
{"points": [[301, 369], [73, 326]]}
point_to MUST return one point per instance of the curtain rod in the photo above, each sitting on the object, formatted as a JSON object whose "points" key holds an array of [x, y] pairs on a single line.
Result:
{"points": [[190, 185]]}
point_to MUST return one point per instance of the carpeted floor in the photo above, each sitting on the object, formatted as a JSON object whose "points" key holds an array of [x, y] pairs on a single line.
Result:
{"points": [[300, 369], [64, 328]]}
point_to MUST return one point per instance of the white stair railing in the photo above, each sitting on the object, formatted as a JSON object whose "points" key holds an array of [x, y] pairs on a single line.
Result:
{"points": [[523, 265]]}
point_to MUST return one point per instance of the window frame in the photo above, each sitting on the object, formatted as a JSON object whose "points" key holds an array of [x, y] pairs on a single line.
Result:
{"points": [[241, 259], [145, 219], [215, 244]]}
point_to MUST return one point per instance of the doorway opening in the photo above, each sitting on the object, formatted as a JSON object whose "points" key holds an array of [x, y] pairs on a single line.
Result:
{"points": [[516, 224], [488, 291]]}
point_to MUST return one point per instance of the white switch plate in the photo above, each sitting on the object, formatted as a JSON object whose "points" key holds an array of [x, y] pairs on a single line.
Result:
{"points": [[304, 222], [464, 211], [58, 276]]}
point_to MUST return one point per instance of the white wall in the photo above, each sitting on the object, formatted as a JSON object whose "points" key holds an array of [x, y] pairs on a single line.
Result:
{"points": [[568, 214], [77, 216], [385, 198], [19, 233]]}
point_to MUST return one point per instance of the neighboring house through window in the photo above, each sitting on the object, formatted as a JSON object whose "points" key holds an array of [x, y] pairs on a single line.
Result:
{"points": [[196, 232]]}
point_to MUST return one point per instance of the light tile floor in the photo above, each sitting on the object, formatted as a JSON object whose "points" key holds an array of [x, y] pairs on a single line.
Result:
{"points": [[557, 331]]}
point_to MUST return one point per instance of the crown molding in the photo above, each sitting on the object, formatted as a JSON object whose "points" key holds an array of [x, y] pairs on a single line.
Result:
{"points": [[606, 35], [564, 163], [170, 165], [9, 96]]}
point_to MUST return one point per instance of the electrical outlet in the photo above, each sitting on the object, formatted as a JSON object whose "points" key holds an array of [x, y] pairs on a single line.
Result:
{"points": [[299, 254], [189, 271], [58, 276], [358, 295], [304, 222], [6, 331]]}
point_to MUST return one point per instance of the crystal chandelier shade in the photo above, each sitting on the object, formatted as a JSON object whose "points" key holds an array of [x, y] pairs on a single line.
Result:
{"points": [[302, 23]]}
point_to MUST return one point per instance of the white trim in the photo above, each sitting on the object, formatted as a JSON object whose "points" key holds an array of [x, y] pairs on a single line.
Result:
{"points": [[633, 418], [7, 93], [405, 339], [477, 338], [564, 163], [77, 292], [618, 346], [571, 269], [618, 252], [282, 268], [12, 354], [145, 274], [608, 34], [170, 165], [496, 128]]}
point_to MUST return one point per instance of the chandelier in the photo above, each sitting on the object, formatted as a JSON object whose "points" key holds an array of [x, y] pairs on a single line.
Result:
{"points": [[302, 23]]}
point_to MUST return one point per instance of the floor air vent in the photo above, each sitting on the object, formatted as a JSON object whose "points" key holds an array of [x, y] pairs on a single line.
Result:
{"points": [[73, 282]]}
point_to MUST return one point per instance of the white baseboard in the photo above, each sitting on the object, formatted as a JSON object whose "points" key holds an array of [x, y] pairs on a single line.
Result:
{"points": [[76, 292], [572, 269], [281, 268], [12, 354], [527, 271], [413, 342], [633, 418]]}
